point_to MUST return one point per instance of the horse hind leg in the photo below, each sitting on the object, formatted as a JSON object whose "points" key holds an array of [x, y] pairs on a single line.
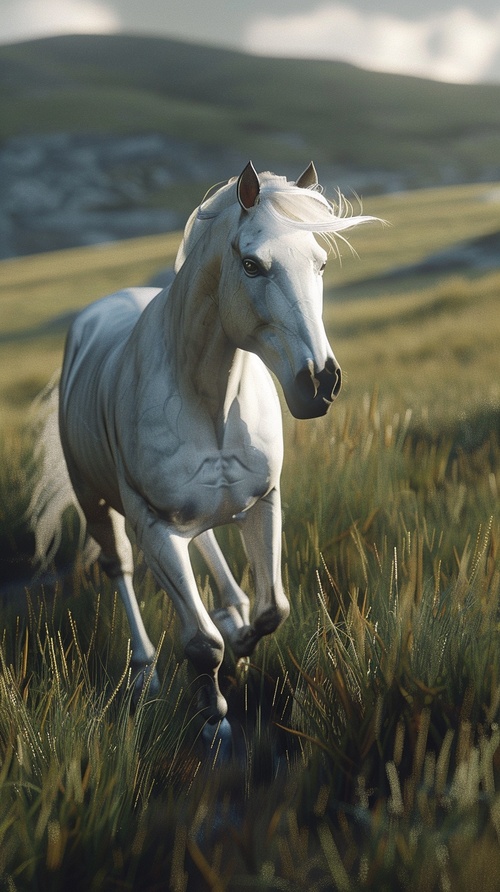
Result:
{"points": [[107, 527]]}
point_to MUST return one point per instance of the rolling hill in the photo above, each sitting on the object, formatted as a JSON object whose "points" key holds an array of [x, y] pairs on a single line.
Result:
{"points": [[280, 107], [118, 125]]}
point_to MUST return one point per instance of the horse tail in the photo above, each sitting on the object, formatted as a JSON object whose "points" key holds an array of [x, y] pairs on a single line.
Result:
{"points": [[53, 492]]}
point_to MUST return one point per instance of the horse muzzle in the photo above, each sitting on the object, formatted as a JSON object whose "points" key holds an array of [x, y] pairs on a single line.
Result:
{"points": [[314, 391]]}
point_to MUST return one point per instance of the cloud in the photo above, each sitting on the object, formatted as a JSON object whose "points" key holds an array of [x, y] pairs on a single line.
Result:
{"points": [[26, 19], [456, 45], [442, 40]]}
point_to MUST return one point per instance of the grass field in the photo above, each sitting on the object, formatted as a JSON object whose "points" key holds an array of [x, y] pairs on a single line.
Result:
{"points": [[370, 724]]}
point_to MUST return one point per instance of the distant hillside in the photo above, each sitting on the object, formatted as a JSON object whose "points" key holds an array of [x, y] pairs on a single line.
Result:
{"points": [[209, 110], [334, 111]]}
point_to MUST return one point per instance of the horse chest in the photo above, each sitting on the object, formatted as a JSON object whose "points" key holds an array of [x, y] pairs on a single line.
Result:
{"points": [[195, 472], [211, 489]]}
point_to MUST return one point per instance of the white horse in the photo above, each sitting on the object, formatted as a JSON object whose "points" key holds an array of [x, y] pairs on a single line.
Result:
{"points": [[169, 418]]}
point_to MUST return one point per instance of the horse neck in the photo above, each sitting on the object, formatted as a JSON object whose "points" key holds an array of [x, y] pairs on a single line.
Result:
{"points": [[201, 354]]}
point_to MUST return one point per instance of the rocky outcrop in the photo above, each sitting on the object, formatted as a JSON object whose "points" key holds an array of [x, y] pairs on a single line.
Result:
{"points": [[66, 190]]}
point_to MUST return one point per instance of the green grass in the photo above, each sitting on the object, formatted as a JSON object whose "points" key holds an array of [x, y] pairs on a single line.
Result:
{"points": [[370, 723]]}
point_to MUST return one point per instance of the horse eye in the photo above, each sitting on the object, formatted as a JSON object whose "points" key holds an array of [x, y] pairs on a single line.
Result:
{"points": [[250, 266], [322, 268]]}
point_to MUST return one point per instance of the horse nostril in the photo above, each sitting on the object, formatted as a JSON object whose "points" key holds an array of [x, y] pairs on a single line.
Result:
{"points": [[314, 391], [338, 382], [332, 367], [307, 382], [325, 384]]}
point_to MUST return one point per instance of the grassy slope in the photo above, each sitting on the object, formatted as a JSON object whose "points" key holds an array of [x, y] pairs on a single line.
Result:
{"points": [[424, 339], [333, 111]]}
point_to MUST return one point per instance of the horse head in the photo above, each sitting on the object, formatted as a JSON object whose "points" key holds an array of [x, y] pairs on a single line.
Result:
{"points": [[271, 294]]}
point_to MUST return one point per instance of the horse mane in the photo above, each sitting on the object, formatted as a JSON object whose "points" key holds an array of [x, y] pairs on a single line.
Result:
{"points": [[300, 208], [308, 209]]}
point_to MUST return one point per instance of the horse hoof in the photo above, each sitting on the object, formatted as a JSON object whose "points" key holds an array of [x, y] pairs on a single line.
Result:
{"points": [[218, 741]]}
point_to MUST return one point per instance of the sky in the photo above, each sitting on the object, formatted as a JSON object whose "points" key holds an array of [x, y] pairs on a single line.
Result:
{"points": [[439, 39]]}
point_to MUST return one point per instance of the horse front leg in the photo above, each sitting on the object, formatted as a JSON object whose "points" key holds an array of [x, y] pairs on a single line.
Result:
{"points": [[167, 554], [233, 611], [261, 534]]}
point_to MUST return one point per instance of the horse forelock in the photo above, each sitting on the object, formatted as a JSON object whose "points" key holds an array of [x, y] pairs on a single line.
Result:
{"points": [[308, 209], [299, 208]]}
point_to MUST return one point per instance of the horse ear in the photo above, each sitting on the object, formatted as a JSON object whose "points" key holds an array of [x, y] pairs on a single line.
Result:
{"points": [[248, 187], [308, 177]]}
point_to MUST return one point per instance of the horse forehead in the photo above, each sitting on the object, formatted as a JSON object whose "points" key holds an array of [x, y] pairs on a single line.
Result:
{"points": [[271, 238]]}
